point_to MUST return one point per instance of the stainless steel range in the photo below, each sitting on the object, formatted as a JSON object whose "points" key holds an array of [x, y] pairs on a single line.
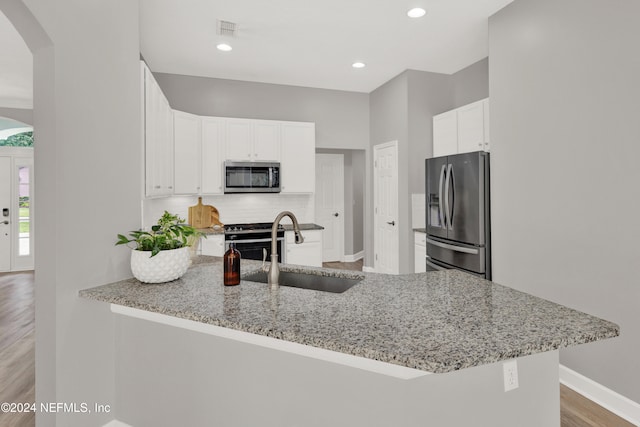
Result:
{"points": [[252, 239]]}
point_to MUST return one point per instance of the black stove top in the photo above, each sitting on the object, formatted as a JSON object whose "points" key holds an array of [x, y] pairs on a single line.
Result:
{"points": [[255, 227]]}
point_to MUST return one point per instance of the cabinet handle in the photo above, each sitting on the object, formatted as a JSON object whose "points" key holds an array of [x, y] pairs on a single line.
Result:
{"points": [[170, 188], [480, 144], [157, 187]]}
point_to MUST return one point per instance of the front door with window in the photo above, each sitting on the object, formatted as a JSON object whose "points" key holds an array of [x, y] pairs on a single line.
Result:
{"points": [[16, 209]]}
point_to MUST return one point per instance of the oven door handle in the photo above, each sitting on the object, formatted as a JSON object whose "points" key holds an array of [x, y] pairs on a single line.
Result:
{"points": [[252, 240]]}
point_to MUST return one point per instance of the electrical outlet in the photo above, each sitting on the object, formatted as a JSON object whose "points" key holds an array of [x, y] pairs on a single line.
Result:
{"points": [[510, 375]]}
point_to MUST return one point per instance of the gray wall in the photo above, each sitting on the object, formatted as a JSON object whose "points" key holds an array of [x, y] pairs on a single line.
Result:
{"points": [[564, 135], [389, 110], [87, 117], [359, 168], [471, 84], [21, 114], [169, 376], [342, 118], [402, 110]]}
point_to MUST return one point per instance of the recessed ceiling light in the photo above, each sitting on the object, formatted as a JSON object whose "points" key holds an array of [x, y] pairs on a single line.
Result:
{"points": [[224, 47], [358, 65], [416, 12]]}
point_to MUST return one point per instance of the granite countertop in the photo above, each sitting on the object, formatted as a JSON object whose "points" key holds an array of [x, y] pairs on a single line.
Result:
{"points": [[303, 226], [210, 230], [287, 227], [437, 321]]}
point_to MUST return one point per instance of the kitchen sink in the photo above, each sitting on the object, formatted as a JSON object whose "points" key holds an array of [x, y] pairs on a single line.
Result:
{"points": [[312, 281]]}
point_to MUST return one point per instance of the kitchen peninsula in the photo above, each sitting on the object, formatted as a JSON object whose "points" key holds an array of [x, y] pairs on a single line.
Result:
{"points": [[193, 351]]}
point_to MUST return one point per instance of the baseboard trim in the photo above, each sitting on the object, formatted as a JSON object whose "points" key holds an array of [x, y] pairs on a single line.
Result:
{"points": [[355, 257], [603, 396], [116, 423]]}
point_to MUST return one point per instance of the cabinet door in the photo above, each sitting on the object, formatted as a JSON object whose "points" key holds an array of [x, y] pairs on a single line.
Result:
{"points": [[187, 148], [212, 159], [158, 138], [213, 245], [445, 134], [239, 140], [297, 158], [485, 104], [471, 127], [420, 260], [166, 161], [266, 141], [151, 145], [307, 253]]}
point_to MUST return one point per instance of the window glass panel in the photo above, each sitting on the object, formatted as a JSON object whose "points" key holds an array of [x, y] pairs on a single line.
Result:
{"points": [[24, 211]]}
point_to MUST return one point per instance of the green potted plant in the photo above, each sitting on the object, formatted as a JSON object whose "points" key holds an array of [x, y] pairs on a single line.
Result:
{"points": [[161, 254]]}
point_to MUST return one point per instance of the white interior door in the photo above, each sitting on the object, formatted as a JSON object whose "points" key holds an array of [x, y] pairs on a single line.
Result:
{"points": [[5, 206], [385, 200], [330, 204]]}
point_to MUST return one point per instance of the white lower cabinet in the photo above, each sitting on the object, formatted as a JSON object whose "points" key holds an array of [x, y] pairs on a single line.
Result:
{"points": [[420, 239], [307, 253], [213, 245]]}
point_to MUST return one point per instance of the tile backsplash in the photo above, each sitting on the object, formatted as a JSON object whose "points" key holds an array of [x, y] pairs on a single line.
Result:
{"points": [[234, 208]]}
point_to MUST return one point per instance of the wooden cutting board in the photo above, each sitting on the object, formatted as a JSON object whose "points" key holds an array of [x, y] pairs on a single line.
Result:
{"points": [[203, 216]]}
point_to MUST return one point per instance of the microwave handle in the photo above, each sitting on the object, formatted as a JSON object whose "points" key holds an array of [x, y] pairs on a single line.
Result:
{"points": [[270, 177]]}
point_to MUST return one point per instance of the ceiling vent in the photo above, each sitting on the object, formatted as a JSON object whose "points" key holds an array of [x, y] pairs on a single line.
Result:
{"points": [[226, 28]]}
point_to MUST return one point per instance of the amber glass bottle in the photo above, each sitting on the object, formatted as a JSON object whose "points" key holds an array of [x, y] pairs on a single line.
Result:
{"points": [[232, 266]]}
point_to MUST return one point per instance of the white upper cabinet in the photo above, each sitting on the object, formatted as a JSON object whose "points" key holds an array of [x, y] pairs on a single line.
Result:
{"points": [[157, 137], [445, 134], [187, 147], [298, 152], [462, 130], [252, 140], [471, 127], [239, 141], [213, 135], [266, 141]]}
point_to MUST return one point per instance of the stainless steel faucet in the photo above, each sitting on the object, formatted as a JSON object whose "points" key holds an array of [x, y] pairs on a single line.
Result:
{"points": [[274, 269]]}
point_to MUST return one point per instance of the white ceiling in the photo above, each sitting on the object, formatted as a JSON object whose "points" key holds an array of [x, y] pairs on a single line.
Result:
{"points": [[314, 43], [294, 42]]}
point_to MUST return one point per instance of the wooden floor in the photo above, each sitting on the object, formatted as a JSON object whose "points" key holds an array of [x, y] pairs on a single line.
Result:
{"points": [[17, 346], [17, 359]]}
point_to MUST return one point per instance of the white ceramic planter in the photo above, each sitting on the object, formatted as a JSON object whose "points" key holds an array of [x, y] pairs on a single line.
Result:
{"points": [[164, 267]]}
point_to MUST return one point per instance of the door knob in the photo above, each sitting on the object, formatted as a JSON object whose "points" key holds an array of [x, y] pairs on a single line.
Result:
{"points": [[335, 214], [391, 223]]}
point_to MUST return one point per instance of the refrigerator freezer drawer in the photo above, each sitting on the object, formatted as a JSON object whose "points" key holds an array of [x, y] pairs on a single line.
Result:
{"points": [[468, 257]]}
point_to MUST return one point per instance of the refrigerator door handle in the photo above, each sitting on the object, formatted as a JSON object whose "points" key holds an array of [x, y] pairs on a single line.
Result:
{"points": [[453, 247], [440, 200], [447, 206]]}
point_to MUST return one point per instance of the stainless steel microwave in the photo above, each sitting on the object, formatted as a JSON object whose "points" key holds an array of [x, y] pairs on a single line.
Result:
{"points": [[251, 177]]}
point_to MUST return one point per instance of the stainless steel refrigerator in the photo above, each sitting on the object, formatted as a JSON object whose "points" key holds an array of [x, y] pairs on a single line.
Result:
{"points": [[458, 213]]}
